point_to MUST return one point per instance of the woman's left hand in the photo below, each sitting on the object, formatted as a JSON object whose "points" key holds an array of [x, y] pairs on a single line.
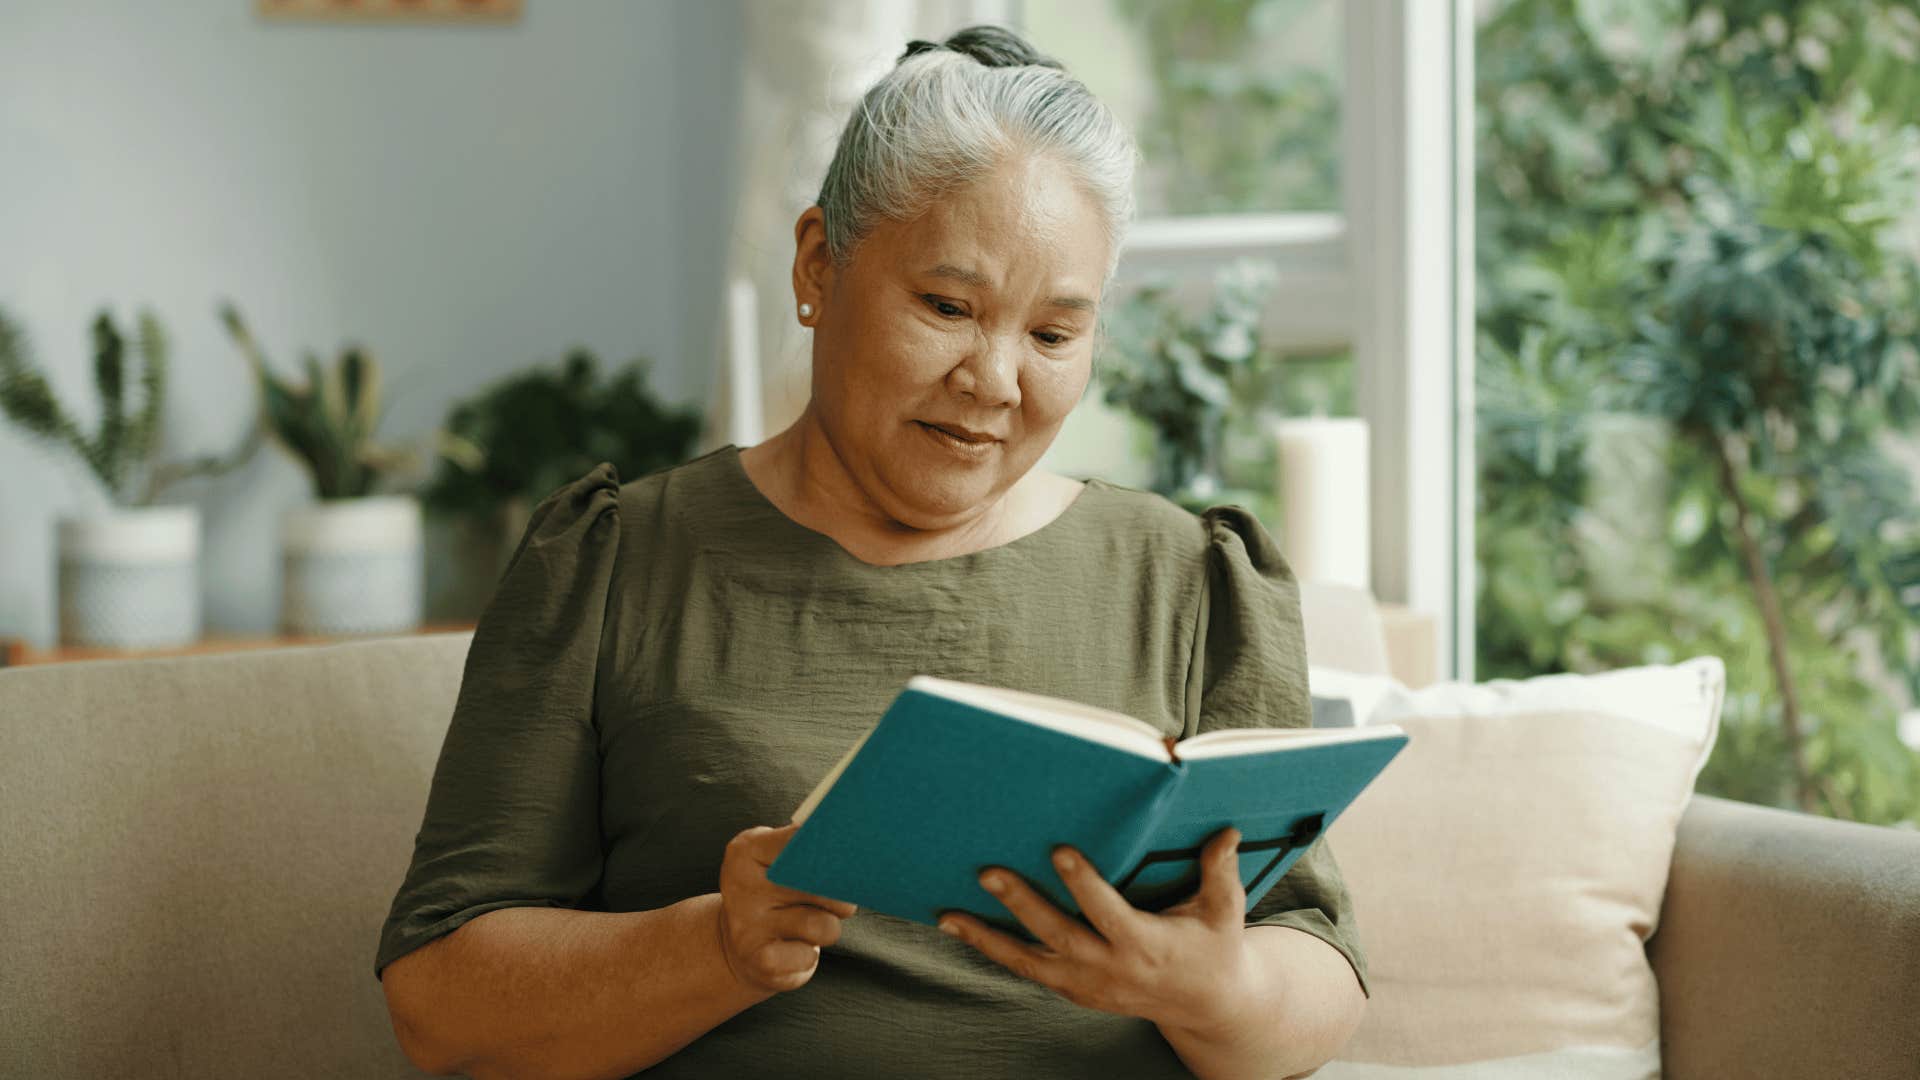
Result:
{"points": [[1185, 966]]}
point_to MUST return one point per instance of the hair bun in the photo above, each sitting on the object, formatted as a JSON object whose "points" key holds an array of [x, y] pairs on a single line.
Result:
{"points": [[917, 46], [992, 46]]}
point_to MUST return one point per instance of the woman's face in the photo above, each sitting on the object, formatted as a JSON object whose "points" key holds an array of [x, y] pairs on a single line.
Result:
{"points": [[976, 317]]}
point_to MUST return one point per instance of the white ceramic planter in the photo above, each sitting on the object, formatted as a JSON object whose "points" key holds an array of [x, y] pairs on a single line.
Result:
{"points": [[130, 578], [352, 566]]}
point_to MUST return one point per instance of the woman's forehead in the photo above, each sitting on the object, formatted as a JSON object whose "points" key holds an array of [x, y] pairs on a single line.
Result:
{"points": [[1026, 219], [1027, 196]]}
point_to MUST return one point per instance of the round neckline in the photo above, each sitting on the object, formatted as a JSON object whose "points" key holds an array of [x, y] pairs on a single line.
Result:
{"points": [[768, 508]]}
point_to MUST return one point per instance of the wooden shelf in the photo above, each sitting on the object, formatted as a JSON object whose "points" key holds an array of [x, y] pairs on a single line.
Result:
{"points": [[15, 652]]}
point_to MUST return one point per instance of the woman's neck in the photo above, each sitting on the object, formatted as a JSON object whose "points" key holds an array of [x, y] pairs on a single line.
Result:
{"points": [[799, 471]]}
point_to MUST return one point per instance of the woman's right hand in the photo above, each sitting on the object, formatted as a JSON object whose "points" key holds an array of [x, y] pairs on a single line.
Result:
{"points": [[771, 935]]}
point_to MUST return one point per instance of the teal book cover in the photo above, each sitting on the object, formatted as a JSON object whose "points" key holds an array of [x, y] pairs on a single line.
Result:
{"points": [[956, 777]]}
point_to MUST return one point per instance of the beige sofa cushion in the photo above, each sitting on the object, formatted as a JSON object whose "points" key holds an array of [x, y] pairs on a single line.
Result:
{"points": [[1508, 867], [199, 854]]}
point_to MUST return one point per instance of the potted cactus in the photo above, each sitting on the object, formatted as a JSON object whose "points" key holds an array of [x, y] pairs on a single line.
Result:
{"points": [[351, 563], [129, 577]]}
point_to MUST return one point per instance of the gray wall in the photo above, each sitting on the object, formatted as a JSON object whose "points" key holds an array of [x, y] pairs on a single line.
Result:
{"points": [[463, 199]]}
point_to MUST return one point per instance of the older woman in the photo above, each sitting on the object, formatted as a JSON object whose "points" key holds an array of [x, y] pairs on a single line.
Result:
{"points": [[671, 663]]}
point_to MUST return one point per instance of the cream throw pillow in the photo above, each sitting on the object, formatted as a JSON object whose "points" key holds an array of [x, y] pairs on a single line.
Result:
{"points": [[1507, 869]]}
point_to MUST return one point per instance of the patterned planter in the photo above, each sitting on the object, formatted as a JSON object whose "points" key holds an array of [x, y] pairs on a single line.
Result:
{"points": [[130, 578], [352, 566]]}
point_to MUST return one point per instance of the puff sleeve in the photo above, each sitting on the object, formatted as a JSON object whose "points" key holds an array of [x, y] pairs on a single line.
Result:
{"points": [[1250, 657], [513, 811]]}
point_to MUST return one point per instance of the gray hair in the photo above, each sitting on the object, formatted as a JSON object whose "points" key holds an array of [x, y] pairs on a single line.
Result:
{"points": [[948, 114]]}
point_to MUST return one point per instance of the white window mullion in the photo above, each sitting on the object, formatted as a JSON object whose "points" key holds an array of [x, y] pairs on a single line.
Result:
{"points": [[1318, 238], [1400, 195], [1465, 465]]}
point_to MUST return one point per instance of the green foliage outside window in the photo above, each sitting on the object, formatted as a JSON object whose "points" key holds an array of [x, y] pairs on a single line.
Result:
{"points": [[1228, 130], [1699, 344]]}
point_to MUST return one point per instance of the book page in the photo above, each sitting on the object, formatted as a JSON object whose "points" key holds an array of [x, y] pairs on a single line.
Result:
{"points": [[1094, 724], [1132, 734], [1226, 742]]}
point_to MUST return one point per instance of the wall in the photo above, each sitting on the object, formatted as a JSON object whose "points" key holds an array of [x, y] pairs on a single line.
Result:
{"points": [[464, 199]]}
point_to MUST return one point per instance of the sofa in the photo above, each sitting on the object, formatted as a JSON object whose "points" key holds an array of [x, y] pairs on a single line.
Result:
{"points": [[199, 852]]}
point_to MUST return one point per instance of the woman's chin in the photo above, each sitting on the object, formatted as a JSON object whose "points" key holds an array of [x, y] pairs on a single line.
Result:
{"points": [[941, 496]]}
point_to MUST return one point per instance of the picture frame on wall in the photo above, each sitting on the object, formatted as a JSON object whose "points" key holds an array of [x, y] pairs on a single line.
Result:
{"points": [[390, 10]]}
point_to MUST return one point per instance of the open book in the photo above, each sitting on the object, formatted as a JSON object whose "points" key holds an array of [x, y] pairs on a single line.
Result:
{"points": [[956, 777]]}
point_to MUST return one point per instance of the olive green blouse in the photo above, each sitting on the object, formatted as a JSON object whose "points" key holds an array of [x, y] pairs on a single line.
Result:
{"points": [[671, 660]]}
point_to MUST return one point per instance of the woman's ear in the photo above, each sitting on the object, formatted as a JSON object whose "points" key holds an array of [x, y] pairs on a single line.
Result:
{"points": [[813, 269]]}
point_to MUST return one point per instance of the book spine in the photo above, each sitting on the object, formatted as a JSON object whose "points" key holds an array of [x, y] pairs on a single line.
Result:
{"points": [[1147, 824]]}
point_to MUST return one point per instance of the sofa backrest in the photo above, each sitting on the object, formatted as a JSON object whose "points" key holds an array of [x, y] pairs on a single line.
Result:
{"points": [[200, 851], [1343, 628]]}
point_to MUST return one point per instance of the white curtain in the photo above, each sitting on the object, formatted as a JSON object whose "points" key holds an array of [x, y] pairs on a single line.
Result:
{"points": [[805, 64]]}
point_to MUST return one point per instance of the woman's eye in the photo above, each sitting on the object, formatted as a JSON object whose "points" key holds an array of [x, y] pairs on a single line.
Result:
{"points": [[945, 307], [1048, 337]]}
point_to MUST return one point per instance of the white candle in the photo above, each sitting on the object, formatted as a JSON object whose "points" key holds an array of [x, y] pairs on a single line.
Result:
{"points": [[1322, 478], [743, 364]]}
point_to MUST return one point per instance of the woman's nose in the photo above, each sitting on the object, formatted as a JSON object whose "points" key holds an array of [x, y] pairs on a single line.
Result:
{"points": [[990, 374]]}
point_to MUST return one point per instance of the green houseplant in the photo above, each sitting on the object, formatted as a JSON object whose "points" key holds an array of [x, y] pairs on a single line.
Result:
{"points": [[123, 453], [533, 431], [353, 562], [521, 438], [1191, 377], [328, 422], [128, 578]]}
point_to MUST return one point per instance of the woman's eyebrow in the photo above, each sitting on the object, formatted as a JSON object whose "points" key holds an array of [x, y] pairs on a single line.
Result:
{"points": [[979, 281], [961, 274]]}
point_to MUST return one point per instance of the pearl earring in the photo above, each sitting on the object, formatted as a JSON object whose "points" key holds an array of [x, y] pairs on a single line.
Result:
{"points": [[806, 310]]}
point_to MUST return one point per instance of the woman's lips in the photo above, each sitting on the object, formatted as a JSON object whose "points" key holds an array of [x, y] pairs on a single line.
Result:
{"points": [[966, 448], [961, 435]]}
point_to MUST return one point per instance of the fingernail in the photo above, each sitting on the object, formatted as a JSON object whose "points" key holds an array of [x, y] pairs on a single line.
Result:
{"points": [[993, 883], [949, 928], [1064, 860]]}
